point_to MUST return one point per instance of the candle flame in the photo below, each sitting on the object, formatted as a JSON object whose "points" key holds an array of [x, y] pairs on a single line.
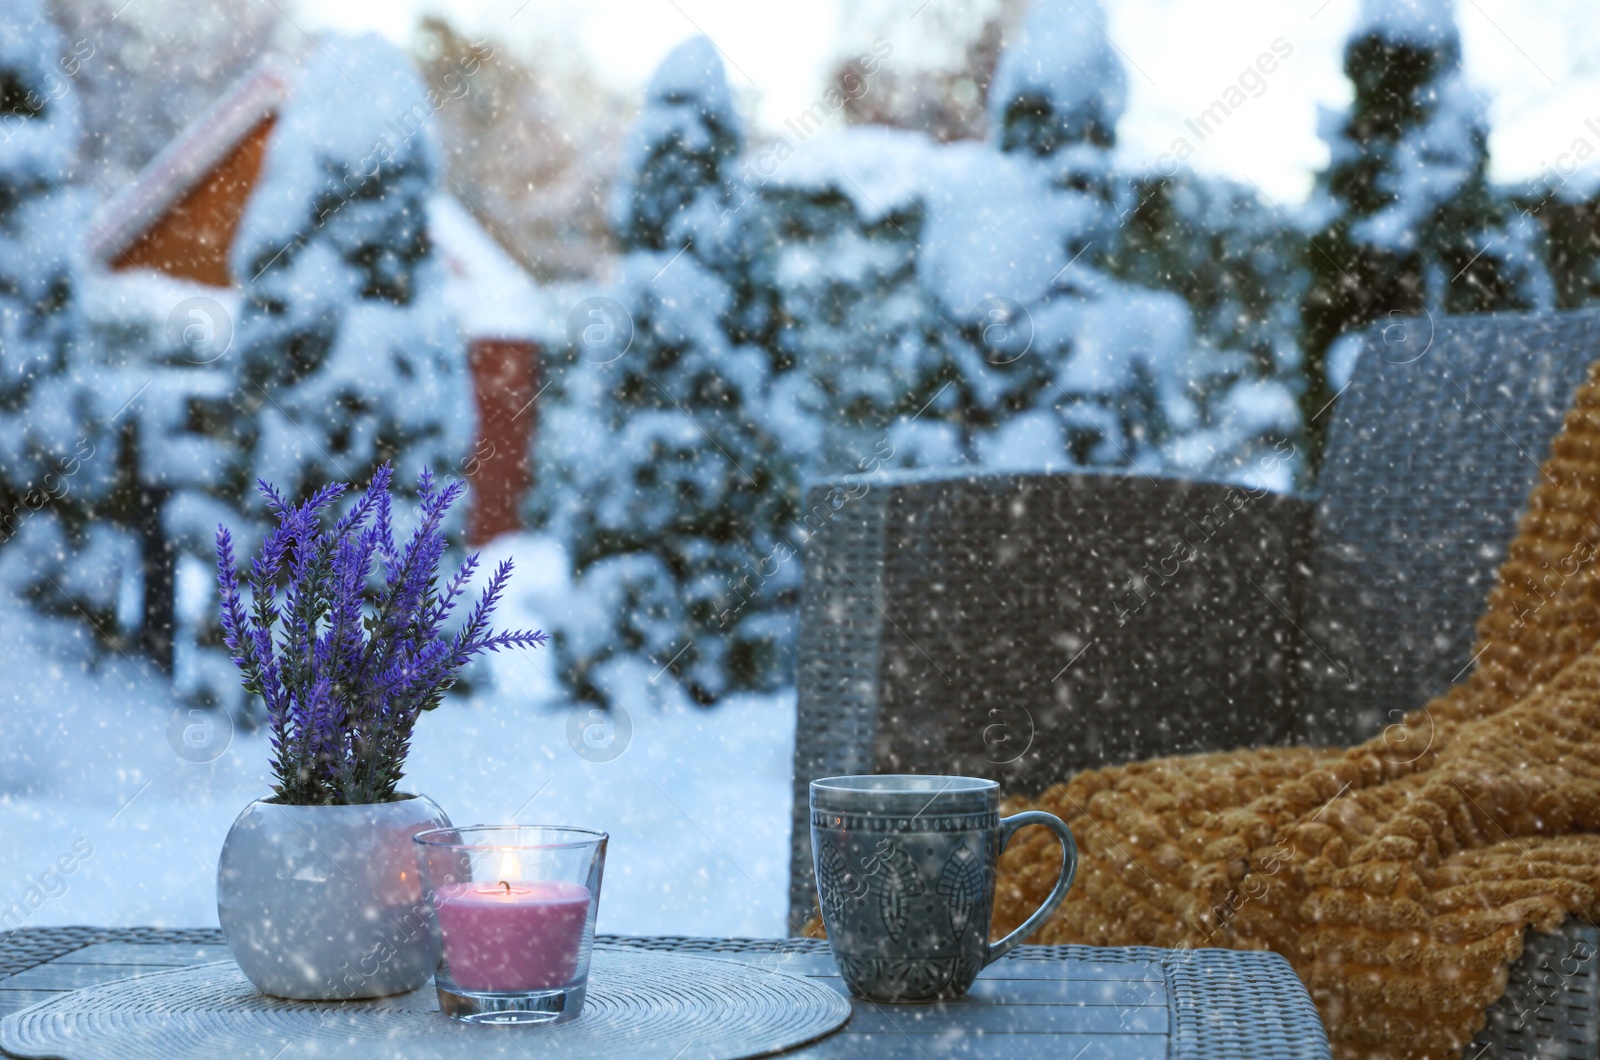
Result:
{"points": [[509, 870]]}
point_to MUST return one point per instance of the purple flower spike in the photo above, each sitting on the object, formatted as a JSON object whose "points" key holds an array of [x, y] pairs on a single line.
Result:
{"points": [[343, 666]]}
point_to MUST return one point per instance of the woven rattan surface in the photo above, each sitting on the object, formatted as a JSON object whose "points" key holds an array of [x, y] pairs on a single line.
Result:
{"points": [[641, 1003], [1551, 1008], [1040, 1001], [1025, 627], [1432, 450]]}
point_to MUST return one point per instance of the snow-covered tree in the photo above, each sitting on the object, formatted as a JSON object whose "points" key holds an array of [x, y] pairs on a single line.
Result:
{"points": [[37, 314], [679, 154], [343, 355], [1239, 265], [834, 265], [1065, 364], [1413, 223], [659, 466], [39, 319], [971, 302], [1058, 94], [1074, 358], [345, 350], [57, 458]]}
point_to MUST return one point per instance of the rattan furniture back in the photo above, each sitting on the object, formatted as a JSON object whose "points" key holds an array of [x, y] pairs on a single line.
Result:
{"points": [[1025, 627], [1433, 449]]}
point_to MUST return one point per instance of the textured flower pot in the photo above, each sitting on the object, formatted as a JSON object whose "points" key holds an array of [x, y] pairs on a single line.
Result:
{"points": [[323, 902]]}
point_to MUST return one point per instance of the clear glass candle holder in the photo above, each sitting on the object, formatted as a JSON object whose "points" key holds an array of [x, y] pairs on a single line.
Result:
{"points": [[516, 907]]}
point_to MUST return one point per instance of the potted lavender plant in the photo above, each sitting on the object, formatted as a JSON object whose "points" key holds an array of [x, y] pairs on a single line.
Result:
{"points": [[317, 886]]}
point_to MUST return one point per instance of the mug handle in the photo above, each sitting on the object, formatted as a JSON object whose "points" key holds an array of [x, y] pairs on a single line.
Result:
{"points": [[1069, 869]]}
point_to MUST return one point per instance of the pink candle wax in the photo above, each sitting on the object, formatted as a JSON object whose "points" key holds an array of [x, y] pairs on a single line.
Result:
{"points": [[521, 936]]}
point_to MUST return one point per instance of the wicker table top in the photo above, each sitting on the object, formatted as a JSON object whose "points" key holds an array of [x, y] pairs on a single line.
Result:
{"points": [[1076, 1002]]}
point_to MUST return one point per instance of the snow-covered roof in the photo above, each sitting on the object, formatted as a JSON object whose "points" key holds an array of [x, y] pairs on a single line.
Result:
{"points": [[192, 154], [490, 295]]}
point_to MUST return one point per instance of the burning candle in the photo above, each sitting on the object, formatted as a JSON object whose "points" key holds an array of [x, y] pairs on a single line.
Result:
{"points": [[516, 907], [513, 934]]}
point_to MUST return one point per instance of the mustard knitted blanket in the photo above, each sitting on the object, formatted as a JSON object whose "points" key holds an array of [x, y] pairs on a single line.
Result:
{"points": [[1396, 876]]}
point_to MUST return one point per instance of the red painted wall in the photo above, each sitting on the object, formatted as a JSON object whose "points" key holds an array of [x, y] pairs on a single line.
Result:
{"points": [[499, 468]]}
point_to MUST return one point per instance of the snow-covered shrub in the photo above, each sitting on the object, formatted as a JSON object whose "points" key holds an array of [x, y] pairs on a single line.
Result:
{"points": [[952, 298], [833, 239], [659, 466], [679, 155], [39, 321], [1097, 371], [345, 351], [1058, 93], [1239, 265], [1412, 224], [57, 454]]}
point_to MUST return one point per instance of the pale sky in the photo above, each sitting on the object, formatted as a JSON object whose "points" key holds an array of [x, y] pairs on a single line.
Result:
{"points": [[1539, 64]]}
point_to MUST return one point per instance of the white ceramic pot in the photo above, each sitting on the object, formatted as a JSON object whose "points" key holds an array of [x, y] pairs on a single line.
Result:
{"points": [[323, 902]]}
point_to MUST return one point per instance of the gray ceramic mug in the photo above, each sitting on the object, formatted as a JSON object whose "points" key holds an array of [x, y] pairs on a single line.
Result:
{"points": [[905, 873]]}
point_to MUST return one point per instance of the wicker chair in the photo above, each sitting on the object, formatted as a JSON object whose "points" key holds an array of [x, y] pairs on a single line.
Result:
{"points": [[1025, 627]]}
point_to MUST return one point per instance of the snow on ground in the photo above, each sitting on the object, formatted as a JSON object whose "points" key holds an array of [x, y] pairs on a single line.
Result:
{"points": [[697, 804]]}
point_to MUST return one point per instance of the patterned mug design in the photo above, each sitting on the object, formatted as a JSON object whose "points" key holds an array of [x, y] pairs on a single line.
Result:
{"points": [[890, 875], [905, 876]]}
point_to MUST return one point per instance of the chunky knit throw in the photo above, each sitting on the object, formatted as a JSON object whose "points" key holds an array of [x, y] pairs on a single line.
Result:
{"points": [[1396, 876]]}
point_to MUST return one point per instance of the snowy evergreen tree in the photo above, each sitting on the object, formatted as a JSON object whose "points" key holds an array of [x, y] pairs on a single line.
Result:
{"points": [[1070, 365], [834, 263], [39, 319], [1413, 224], [344, 355], [57, 457], [1239, 265], [661, 469], [345, 349], [680, 153], [1058, 94]]}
